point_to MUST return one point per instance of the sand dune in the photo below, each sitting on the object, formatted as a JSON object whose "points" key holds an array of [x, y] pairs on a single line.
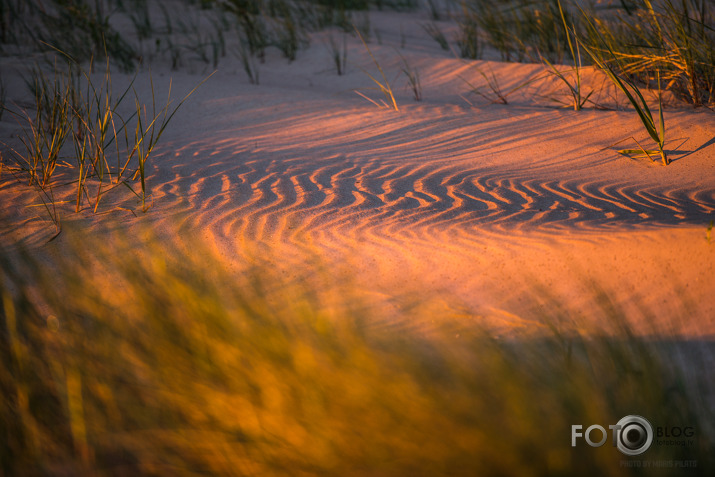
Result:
{"points": [[437, 199], [486, 204]]}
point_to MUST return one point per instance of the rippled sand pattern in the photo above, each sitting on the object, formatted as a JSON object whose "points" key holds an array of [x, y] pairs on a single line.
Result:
{"points": [[497, 209], [422, 177], [484, 204]]}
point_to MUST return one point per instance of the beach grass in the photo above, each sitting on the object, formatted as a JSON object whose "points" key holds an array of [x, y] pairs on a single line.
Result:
{"points": [[127, 356], [77, 124], [383, 86], [339, 53], [672, 38], [133, 353], [436, 34], [574, 83], [45, 133], [655, 129], [494, 93], [413, 78], [468, 39]]}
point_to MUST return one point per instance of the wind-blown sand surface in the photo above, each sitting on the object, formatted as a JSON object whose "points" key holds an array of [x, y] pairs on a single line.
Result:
{"points": [[503, 211]]}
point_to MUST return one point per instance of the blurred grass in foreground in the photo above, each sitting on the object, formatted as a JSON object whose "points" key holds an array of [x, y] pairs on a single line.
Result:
{"points": [[119, 361]]}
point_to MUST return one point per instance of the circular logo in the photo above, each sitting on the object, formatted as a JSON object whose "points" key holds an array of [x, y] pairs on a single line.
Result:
{"points": [[634, 435]]}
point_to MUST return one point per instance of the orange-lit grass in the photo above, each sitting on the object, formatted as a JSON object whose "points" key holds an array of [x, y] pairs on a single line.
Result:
{"points": [[71, 107], [127, 359], [384, 85]]}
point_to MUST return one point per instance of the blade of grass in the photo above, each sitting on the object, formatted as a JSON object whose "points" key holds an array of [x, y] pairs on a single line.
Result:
{"points": [[635, 97], [384, 86]]}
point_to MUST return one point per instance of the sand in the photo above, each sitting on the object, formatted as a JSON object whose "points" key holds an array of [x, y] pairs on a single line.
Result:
{"points": [[505, 215]]}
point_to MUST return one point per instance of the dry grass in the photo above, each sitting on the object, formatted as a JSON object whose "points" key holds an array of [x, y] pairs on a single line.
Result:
{"points": [[77, 126], [121, 360], [383, 86]]}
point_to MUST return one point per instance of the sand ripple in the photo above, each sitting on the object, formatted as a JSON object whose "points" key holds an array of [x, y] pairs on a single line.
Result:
{"points": [[256, 196]]}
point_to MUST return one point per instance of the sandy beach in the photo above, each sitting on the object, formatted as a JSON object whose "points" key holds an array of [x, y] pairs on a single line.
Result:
{"points": [[452, 212], [450, 195]]}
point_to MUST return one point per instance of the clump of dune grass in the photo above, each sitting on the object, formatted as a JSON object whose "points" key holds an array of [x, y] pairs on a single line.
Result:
{"points": [[78, 126], [206, 44], [189, 30], [149, 127], [573, 84], [493, 21], [251, 24], [516, 29], [45, 133], [339, 53], [413, 78], [494, 93], [288, 39], [383, 86], [135, 357], [248, 61], [82, 28], [436, 34], [656, 130], [434, 9], [675, 39], [138, 12], [647, 37], [468, 39]]}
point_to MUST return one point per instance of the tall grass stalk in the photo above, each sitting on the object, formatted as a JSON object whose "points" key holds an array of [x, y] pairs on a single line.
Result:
{"points": [[468, 39], [496, 94], [384, 85], [656, 130], [578, 100], [249, 63], [413, 78], [99, 126], [44, 135], [339, 53], [436, 34], [149, 129]]}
